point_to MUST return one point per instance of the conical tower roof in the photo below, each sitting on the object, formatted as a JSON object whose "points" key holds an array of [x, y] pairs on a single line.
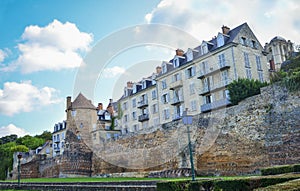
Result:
{"points": [[82, 102]]}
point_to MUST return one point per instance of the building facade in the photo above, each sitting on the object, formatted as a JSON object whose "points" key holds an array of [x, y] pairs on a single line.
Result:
{"points": [[195, 79], [279, 50]]}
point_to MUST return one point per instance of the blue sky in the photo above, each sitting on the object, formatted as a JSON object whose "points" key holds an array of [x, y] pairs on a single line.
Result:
{"points": [[42, 44]]}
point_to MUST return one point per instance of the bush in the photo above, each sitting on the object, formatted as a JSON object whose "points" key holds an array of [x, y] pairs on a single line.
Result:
{"points": [[243, 88], [280, 169], [173, 186]]}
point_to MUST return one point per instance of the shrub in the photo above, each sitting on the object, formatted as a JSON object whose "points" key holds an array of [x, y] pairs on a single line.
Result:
{"points": [[243, 88], [280, 169]]}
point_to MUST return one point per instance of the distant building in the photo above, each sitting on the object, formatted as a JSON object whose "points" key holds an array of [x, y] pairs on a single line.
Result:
{"points": [[279, 50]]}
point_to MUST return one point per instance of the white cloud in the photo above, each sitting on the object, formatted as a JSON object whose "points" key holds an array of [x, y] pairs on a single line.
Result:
{"points": [[3, 55], [204, 18], [12, 129], [53, 47], [24, 97], [113, 72]]}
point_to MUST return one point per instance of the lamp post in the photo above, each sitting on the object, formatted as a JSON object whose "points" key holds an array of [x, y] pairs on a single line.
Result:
{"points": [[19, 168], [188, 120]]}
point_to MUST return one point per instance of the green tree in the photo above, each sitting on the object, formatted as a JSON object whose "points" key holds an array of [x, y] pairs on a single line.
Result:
{"points": [[6, 158], [19, 148], [30, 142], [243, 88], [46, 135]]}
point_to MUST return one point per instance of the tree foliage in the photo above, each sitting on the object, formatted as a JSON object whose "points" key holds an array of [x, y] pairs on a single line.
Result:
{"points": [[243, 88], [30, 142], [289, 75]]}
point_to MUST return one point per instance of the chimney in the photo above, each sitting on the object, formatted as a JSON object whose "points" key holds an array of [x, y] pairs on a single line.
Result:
{"points": [[110, 108], [68, 106], [225, 29], [179, 52], [158, 70], [129, 85], [100, 106]]}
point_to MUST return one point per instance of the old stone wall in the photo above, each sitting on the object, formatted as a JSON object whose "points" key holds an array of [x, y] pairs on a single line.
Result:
{"points": [[261, 131]]}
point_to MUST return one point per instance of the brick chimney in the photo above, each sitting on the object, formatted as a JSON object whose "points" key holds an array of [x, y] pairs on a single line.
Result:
{"points": [[179, 52], [225, 29], [158, 69], [129, 84], [68, 106], [110, 108], [100, 106]]}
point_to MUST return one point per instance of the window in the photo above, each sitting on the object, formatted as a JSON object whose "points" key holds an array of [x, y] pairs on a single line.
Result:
{"points": [[176, 77], [134, 115], [246, 59], [164, 84], [190, 72], [156, 121], [220, 40], [125, 118], [192, 88], [222, 61], [125, 106], [226, 94], [73, 113], [164, 68], [253, 44], [224, 77], [176, 62], [258, 63], [208, 99], [165, 98], [145, 125], [154, 108], [261, 76], [154, 94], [204, 67], [248, 73], [63, 135], [243, 41], [144, 84], [135, 127], [133, 102], [193, 105], [204, 49], [166, 114]]}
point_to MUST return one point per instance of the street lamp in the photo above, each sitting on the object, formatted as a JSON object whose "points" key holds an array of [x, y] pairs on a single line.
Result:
{"points": [[19, 168], [188, 120]]}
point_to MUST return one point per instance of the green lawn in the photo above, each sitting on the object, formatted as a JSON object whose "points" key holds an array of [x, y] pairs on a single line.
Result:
{"points": [[94, 179]]}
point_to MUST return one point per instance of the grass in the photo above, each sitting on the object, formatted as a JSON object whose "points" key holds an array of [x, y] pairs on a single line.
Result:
{"points": [[118, 179]]}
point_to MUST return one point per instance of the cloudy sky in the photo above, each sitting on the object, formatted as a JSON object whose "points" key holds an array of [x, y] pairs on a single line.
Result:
{"points": [[43, 43]]}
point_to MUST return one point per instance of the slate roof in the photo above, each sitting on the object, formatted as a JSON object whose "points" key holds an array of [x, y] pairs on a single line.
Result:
{"points": [[82, 102]]}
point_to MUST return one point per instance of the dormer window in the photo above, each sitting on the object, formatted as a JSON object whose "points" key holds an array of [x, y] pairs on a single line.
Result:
{"points": [[204, 48], [176, 62], [189, 55], [220, 40], [164, 68], [253, 44], [144, 84]]}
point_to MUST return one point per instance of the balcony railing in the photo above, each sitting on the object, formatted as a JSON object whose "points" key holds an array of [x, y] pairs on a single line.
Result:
{"points": [[142, 103], [214, 87], [176, 84], [176, 117], [177, 100], [215, 105], [213, 69], [143, 117]]}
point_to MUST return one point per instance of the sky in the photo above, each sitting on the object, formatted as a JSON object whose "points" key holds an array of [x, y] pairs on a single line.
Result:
{"points": [[44, 45]]}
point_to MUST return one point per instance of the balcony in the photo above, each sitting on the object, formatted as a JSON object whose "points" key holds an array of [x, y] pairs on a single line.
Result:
{"points": [[215, 105], [176, 84], [211, 70], [205, 90], [142, 103], [144, 117], [176, 117], [177, 100], [215, 87]]}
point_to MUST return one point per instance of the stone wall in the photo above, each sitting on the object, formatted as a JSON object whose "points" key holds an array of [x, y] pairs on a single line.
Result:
{"points": [[261, 131]]}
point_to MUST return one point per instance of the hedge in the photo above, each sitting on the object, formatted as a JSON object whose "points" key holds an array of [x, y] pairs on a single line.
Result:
{"points": [[240, 184], [293, 185], [280, 169]]}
